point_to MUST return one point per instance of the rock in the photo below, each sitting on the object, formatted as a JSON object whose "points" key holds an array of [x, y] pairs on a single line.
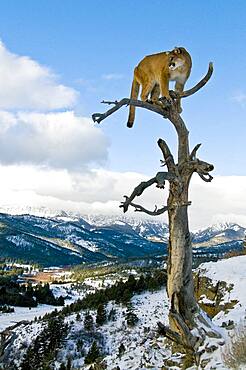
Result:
{"points": [[211, 348]]}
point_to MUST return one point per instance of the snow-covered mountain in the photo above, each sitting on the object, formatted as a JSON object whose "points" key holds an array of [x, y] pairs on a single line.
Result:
{"points": [[218, 234], [29, 210], [153, 230], [66, 240], [62, 238], [148, 228]]}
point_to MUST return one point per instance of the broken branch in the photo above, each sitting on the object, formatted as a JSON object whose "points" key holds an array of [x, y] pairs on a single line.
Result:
{"points": [[194, 151], [109, 102], [98, 117], [203, 169], [206, 177], [159, 179], [138, 208], [136, 192], [169, 161]]}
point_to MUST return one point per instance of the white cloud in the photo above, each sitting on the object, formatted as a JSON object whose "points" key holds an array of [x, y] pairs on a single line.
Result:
{"points": [[95, 186], [59, 140], [223, 199], [55, 139], [25, 84], [112, 76], [98, 191], [101, 191]]}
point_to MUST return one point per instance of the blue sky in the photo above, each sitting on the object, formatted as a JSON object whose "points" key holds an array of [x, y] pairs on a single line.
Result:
{"points": [[93, 47], [82, 41]]}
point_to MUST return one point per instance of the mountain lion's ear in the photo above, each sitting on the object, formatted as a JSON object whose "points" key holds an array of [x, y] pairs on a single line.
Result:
{"points": [[177, 50]]}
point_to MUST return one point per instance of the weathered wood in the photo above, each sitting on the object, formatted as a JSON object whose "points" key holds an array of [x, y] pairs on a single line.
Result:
{"points": [[168, 157], [159, 180], [170, 334], [194, 151], [98, 117], [136, 193], [138, 208], [184, 312]]}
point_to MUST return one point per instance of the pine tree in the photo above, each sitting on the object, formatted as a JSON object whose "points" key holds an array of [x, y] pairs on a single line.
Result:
{"points": [[121, 349], [42, 350], [131, 317], [126, 296], [152, 284], [131, 283], [88, 322], [93, 354], [101, 315], [80, 346], [69, 364]]}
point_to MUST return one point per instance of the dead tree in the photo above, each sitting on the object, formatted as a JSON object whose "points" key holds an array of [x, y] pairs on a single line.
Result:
{"points": [[188, 325]]}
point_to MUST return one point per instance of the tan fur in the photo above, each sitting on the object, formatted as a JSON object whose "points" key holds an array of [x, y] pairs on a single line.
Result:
{"points": [[154, 72]]}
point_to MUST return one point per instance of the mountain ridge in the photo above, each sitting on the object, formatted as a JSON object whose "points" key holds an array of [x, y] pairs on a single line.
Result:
{"points": [[100, 219], [66, 239]]}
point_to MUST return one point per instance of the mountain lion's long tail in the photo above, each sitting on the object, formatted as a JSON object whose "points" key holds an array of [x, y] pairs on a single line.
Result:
{"points": [[134, 95]]}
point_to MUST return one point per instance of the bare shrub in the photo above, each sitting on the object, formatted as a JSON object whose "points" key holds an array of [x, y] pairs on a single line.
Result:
{"points": [[235, 253], [234, 353]]}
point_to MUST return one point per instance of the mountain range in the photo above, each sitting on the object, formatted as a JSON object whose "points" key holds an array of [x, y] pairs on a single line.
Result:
{"points": [[67, 239]]}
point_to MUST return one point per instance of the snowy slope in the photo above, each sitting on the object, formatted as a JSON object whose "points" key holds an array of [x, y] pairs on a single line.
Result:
{"points": [[232, 271], [145, 349]]}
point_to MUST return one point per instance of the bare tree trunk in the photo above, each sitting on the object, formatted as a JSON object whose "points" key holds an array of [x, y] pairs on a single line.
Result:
{"points": [[185, 314], [180, 287]]}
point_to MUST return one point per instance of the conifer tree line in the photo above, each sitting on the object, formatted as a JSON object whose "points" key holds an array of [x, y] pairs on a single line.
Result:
{"points": [[120, 292], [14, 294], [41, 352]]}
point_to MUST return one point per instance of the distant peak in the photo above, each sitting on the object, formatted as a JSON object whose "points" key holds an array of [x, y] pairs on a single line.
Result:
{"points": [[225, 225]]}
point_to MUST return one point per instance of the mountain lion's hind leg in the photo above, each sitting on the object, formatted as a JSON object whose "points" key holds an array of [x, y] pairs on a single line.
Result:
{"points": [[155, 94], [147, 87], [164, 85]]}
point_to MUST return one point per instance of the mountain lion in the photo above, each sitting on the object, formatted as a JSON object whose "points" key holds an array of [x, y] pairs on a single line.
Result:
{"points": [[154, 72]]}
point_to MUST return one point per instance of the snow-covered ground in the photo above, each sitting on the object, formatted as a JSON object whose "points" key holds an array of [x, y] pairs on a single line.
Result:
{"points": [[71, 293], [144, 348], [232, 271], [24, 313]]}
